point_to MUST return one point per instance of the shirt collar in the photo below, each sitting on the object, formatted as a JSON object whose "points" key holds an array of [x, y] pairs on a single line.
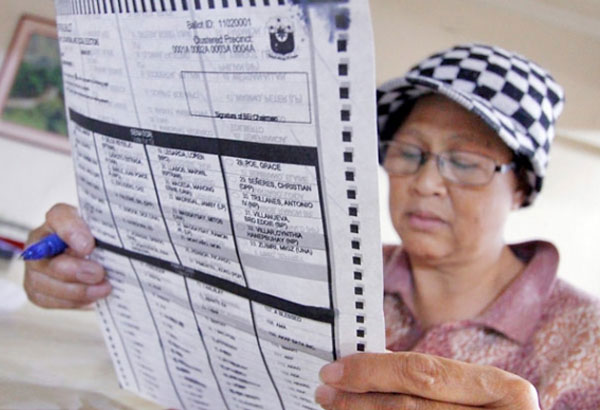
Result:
{"points": [[516, 311]]}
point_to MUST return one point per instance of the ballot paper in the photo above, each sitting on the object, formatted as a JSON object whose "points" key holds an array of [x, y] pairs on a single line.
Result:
{"points": [[226, 162]]}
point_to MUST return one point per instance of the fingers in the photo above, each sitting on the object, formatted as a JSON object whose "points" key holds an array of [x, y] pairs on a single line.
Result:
{"points": [[332, 399], [66, 222], [67, 268], [51, 302], [46, 291], [67, 280], [432, 378]]}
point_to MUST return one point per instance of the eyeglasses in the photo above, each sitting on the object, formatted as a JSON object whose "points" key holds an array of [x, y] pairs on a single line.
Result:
{"points": [[461, 167]]}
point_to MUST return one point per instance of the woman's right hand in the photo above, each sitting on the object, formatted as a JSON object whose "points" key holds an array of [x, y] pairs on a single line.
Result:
{"points": [[68, 280]]}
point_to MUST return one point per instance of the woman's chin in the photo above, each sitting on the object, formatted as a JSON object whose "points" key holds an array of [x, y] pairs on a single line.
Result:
{"points": [[425, 246]]}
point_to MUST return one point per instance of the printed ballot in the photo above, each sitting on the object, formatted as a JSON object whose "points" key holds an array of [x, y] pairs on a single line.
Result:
{"points": [[226, 162]]}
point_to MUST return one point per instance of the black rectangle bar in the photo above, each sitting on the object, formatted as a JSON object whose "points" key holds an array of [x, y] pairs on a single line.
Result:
{"points": [[309, 312], [230, 148], [269, 152]]}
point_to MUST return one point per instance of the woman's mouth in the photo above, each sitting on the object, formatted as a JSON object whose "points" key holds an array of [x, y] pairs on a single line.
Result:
{"points": [[424, 221]]}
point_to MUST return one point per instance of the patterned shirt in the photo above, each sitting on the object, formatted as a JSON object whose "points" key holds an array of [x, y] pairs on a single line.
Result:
{"points": [[539, 328]]}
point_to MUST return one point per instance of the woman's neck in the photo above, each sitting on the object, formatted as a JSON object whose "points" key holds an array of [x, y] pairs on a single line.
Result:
{"points": [[451, 291]]}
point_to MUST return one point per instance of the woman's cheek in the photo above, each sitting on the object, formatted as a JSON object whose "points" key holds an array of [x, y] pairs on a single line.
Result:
{"points": [[480, 216]]}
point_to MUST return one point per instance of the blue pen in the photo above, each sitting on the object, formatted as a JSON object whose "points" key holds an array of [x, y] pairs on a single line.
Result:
{"points": [[45, 248]]}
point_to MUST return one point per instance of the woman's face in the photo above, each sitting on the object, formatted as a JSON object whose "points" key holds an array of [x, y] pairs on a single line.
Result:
{"points": [[440, 219]]}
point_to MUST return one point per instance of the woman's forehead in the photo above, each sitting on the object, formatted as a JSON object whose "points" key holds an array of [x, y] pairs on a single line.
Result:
{"points": [[436, 119]]}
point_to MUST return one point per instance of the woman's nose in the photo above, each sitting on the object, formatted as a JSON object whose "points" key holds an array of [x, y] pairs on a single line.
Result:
{"points": [[428, 181]]}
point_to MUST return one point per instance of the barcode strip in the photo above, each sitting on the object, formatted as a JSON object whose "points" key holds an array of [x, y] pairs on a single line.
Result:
{"points": [[94, 7]]}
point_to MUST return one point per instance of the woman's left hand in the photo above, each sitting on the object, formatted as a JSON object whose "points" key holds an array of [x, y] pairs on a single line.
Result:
{"points": [[407, 380]]}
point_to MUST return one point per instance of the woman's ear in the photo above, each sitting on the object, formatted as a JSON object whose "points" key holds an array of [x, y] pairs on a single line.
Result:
{"points": [[518, 198]]}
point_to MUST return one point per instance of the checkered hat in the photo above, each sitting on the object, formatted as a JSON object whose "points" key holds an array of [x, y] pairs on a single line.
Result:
{"points": [[516, 97]]}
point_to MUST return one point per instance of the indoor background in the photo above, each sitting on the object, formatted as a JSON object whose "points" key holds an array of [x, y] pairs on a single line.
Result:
{"points": [[561, 35], [57, 359]]}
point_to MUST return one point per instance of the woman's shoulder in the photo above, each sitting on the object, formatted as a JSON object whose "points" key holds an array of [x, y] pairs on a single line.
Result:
{"points": [[569, 343], [567, 298], [572, 315]]}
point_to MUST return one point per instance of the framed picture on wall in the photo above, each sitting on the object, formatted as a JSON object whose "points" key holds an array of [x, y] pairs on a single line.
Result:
{"points": [[32, 106]]}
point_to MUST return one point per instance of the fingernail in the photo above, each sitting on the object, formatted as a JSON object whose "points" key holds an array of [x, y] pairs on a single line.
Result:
{"points": [[325, 395], [80, 242], [332, 373], [98, 291]]}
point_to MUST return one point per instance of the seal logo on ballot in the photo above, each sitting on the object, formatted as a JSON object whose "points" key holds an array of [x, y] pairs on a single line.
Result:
{"points": [[281, 33]]}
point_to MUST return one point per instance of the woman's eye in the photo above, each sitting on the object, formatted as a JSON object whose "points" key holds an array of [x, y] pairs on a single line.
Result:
{"points": [[463, 164], [411, 155]]}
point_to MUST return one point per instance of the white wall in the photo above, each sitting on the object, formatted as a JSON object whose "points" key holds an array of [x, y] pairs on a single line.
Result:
{"points": [[31, 180]]}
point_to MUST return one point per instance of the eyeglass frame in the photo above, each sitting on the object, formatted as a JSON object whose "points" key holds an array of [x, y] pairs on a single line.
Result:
{"points": [[439, 158]]}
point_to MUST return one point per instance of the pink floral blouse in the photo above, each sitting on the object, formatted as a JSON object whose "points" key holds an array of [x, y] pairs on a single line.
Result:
{"points": [[539, 328]]}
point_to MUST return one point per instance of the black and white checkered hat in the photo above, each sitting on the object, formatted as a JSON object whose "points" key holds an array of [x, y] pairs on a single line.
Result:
{"points": [[516, 97]]}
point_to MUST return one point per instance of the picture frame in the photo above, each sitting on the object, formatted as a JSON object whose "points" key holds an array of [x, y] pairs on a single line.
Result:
{"points": [[31, 92]]}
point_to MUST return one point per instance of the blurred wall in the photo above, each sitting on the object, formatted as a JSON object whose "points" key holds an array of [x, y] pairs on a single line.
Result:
{"points": [[562, 35], [11, 10]]}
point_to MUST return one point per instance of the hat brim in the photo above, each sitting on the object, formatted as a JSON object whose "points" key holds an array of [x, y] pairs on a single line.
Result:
{"points": [[394, 94], [413, 87]]}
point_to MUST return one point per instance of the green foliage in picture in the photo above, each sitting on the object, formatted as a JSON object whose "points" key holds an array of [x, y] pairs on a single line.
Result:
{"points": [[33, 80], [36, 98]]}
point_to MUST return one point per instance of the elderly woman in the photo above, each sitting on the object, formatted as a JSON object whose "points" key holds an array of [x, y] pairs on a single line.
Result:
{"points": [[471, 321]]}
